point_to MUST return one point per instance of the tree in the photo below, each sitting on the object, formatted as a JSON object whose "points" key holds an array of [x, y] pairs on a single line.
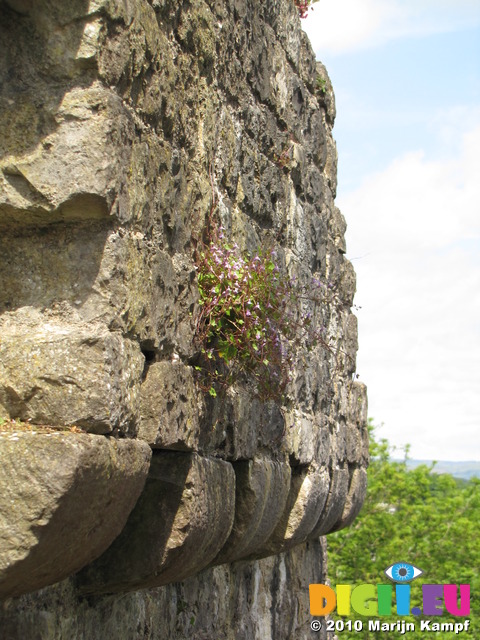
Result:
{"points": [[414, 516]]}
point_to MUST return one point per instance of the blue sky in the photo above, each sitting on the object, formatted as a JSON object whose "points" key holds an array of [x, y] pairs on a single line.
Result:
{"points": [[406, 75]]}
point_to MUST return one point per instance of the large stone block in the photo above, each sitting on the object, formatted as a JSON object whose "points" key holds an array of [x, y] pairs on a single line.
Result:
{"points": [[300, 437], [69, 374], [36, 188], [179, 525], [308, 494], [261, 492], [171, 408], [335, 503], [64, 497], [248, 424], [357, 491]]}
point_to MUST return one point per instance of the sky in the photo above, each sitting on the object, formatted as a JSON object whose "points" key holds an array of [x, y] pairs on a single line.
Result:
{"points": [[406, 75]]}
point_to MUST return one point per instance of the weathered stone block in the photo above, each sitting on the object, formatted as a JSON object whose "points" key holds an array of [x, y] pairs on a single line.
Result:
{"points": [[36, 188], [179, 525], [335, 503], [357, 491], [69, 374], [308, 494], [247, 423], [300, 437], [171, 408], [64, 498], [262, 488]]}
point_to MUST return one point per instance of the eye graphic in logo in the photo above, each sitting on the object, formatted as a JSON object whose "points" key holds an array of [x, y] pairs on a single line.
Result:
{"points": [[402, 572]]}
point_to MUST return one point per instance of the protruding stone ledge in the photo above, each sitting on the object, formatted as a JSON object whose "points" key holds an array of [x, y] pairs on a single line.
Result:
{"points": [[64, 497], [308, 493], [262, 488], [347, 492], [180, 523], [35, 187], [357, 491], [335, 503]]}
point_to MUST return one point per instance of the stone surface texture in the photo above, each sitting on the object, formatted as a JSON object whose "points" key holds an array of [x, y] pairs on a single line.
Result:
{"points": [[178, 526], [125, 127], [260, 600], [65, 498]]}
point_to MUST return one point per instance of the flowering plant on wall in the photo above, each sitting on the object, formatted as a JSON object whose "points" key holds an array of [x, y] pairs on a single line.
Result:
{"points": [[253, 318], [303, 6]]}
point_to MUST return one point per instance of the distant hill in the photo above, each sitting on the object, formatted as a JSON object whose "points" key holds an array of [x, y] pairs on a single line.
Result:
{"points": [[464, 470]]}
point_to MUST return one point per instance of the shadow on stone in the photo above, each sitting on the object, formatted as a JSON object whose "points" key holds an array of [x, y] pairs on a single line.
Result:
{"points": [[64, 498], [178, 526]]}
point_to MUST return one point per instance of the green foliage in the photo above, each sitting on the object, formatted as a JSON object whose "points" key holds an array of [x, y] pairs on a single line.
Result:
{"points": [[321, 84], [414, 516]]}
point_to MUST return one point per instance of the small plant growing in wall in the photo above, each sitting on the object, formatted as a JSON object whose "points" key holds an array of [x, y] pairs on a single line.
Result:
{"points": [[321, 85], [284, 159], [251, 319], [303, 6]]}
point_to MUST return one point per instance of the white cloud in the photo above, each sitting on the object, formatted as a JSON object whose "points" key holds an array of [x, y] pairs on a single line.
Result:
{"points": [[347, 24], [340, 26], [417, 226], [417, 203]]}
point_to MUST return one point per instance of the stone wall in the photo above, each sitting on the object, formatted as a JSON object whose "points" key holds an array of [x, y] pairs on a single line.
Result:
{"points": [[126, 127]]}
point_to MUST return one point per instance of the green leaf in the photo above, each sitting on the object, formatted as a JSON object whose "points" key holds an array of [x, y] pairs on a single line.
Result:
{"points": [[212, 392]]}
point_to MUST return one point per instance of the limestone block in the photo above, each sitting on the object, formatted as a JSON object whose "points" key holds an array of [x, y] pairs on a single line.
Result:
{"points": [[246, 422], [65, 374], [358, 402], [354, 499], [353, 443], [171, 407], [62, 263], [261, 492], [335, 503], [325, 94], [308, 494], [64, 497], [179, 525], [338, 227], [300, 437], [331, 163], [73, 181]]}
